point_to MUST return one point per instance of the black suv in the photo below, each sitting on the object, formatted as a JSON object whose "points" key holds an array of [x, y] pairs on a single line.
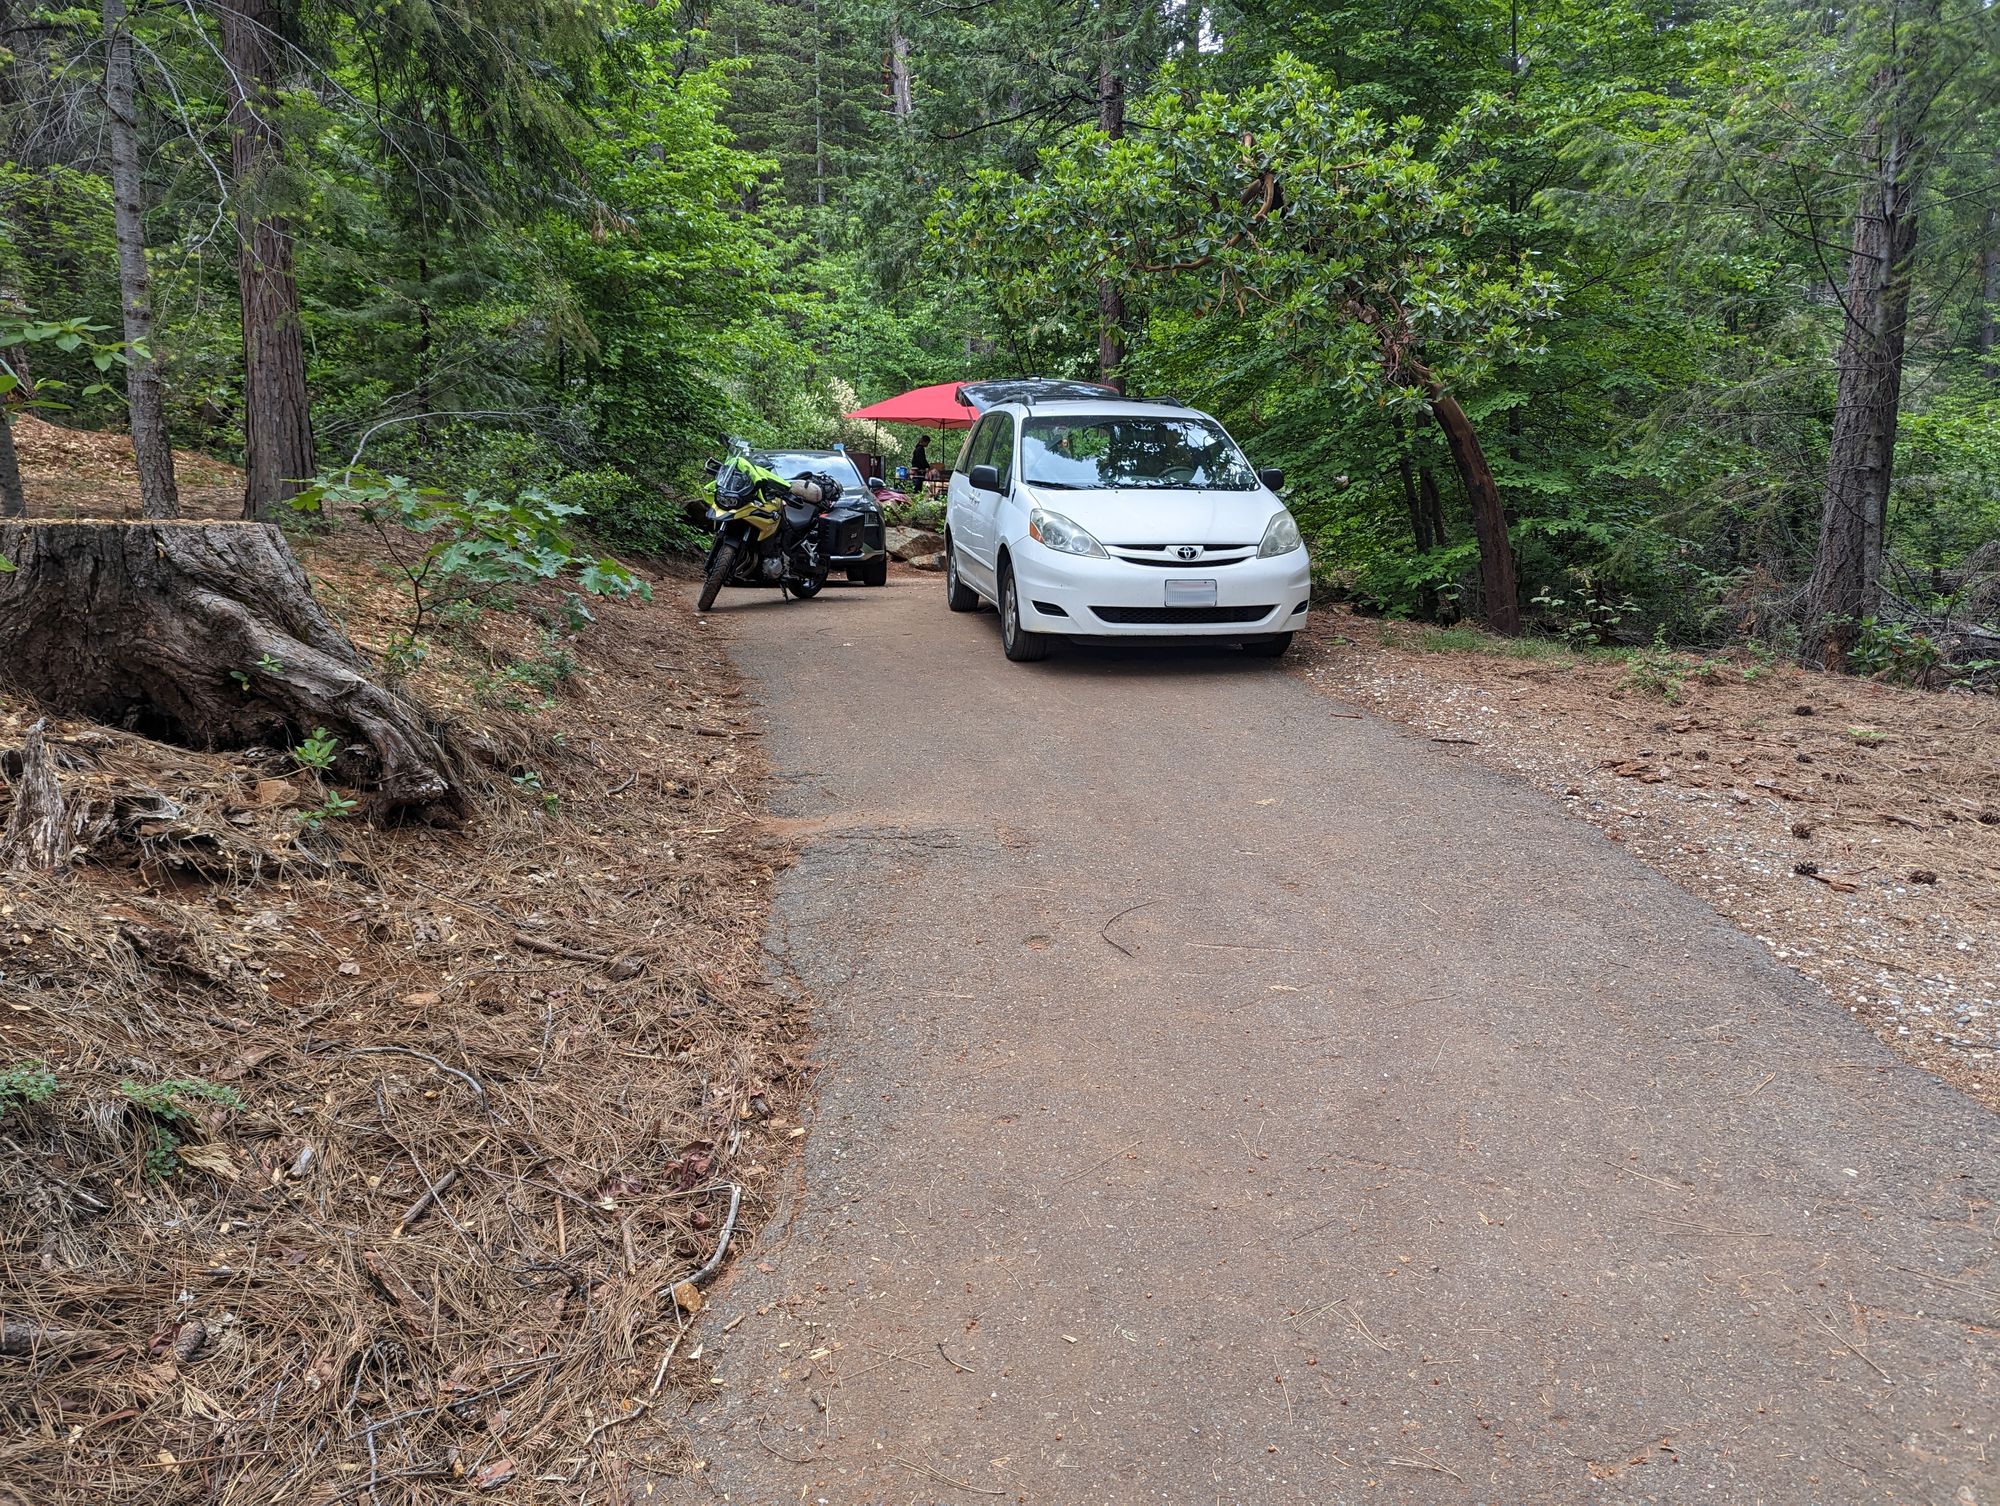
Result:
{"points": [[871, 566]]}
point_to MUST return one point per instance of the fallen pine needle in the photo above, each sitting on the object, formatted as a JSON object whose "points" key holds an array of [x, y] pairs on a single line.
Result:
{"points": [[925, 1469], [1105, 929], [1100, 1161], [961, 1369], [1848, 1345], [1431, 1464]]}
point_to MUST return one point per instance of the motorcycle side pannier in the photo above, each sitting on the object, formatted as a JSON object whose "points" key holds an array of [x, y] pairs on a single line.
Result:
{"points": [[840, 532]]}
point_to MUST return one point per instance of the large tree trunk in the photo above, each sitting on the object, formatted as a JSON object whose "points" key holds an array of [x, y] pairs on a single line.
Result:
{"points": [[13, 362], [204, 634], [902, 102], [13, 499], [1846, 583], [145, 393], [1489, 515], [1989, 292], [1111, 121], [277, 416]]}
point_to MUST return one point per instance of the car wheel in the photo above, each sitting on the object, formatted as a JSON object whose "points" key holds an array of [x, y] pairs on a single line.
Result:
{"points": [[855, 574], [1268, 648], [1022, 646], [958, 596], [876, 571]]}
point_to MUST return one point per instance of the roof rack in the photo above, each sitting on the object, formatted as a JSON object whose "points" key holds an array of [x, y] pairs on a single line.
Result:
{"points": [[979, 396]]}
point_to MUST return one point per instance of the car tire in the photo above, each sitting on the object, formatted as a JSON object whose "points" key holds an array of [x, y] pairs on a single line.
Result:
{"points": [[1022, 646], [719, 570], [876, 571], [1268, 648], [957, 594], [854, 574]]}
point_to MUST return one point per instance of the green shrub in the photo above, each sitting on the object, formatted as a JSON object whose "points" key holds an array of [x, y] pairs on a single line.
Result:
{"points": [[169, 1107], [548, 668], [1657, 670], [475, 540], [1894, 650], [26, 1084], [631, 513]]}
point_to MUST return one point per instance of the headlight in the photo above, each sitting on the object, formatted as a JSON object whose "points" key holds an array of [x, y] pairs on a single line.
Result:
{"points": [[1281, 536], [1058, 533]]}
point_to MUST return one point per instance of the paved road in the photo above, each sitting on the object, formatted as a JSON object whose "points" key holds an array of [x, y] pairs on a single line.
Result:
{"points": [[1227, 1099]]}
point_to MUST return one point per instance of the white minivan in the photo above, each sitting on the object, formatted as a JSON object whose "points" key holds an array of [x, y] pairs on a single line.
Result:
{"points": [[1083, 514]]}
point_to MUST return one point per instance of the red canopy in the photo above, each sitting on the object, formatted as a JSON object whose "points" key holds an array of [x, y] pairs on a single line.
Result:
{"points": [[937, 406]]}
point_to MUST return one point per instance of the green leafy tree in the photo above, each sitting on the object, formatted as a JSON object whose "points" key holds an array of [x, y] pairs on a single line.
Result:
{"points": [[1316, 226]]}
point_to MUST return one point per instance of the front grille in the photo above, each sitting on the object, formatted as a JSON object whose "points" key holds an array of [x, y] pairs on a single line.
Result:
{"points": [[1182, 616], [1160, 556]]}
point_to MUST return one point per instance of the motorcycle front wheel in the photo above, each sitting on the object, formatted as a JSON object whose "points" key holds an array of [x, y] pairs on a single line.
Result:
{"points": [[808, 588], [719, 570]]}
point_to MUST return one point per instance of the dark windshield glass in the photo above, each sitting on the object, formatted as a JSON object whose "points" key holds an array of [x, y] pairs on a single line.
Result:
{"points": [[790, 463], [1157, 453]]}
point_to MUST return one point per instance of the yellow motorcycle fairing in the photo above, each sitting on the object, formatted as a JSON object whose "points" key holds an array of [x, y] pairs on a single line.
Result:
{"points": [[761, 515]]}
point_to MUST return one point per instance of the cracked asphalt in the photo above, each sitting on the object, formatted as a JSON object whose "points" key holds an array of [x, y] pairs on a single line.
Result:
{"points": [[1228, 1099]]}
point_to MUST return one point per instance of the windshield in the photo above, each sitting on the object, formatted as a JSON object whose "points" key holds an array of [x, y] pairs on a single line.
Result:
{"points": [[1081, 453], [790, 463]]}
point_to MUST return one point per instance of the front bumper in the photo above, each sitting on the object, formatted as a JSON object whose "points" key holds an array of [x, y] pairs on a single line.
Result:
{"points": [[1113, 598]]}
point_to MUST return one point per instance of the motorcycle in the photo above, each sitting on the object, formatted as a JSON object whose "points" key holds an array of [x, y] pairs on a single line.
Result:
{"points": [[771, 531]]}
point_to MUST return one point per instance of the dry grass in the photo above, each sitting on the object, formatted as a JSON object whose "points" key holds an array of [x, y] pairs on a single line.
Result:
{"points": [[497, 1086]]}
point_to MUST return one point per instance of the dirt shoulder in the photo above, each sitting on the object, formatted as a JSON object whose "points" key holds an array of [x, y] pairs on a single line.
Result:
{"points": [[70, 473], [373, 1160], [1852, 828]]}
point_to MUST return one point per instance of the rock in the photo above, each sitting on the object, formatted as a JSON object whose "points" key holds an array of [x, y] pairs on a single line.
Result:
{"points": [[912, 544], [926, 562]]}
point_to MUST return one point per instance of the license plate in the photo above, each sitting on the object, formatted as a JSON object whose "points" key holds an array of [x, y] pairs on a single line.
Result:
{"points": [[1190, 593]]}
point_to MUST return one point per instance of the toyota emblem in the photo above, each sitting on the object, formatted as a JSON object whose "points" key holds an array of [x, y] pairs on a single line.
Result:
{"points": [[1187, 551]]}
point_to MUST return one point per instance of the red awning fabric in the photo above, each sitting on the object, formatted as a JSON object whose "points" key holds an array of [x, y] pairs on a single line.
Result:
{"points": [[937, 406]]}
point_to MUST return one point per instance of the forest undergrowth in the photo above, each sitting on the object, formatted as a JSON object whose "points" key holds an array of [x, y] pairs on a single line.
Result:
{"points": [[357, 1164]]}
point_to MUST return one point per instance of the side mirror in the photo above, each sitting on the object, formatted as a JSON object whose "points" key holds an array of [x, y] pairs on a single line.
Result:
{"points": [[983, 478], [1272, 477], [711, 467], [875, 481]]}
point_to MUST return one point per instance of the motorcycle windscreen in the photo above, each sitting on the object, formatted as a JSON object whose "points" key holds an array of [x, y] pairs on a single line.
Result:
{"points": [[734, 486]]}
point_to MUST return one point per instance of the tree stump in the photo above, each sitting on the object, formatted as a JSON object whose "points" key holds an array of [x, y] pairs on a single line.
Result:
{"points": [[37, 834], [207, 635]]}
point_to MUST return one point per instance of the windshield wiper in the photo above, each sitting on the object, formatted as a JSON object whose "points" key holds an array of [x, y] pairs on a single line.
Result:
{"points": [[1056, 486]]}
